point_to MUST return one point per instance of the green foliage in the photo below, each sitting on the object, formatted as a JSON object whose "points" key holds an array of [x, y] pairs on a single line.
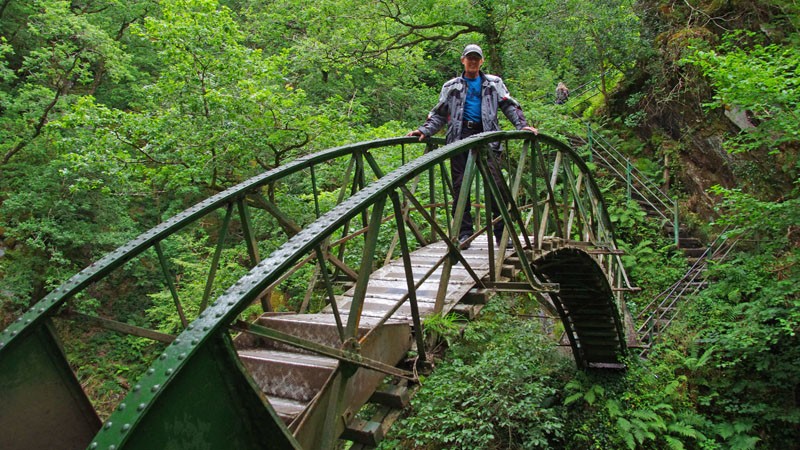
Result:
{"points": [[446, 328], [116, 117], [738, 341], [651, 259], [771, 223], [761, 80], [497, 389], [634, 409], [189, 259], [106, 361]]}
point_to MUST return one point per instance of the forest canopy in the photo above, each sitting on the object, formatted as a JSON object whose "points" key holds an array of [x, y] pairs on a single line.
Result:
{"points": [[116, 115]]}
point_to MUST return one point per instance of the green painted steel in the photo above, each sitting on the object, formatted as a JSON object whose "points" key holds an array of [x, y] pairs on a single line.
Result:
{"points": [[33, 323], [196, 394], [56, 410], [208, 404], [110, 262]]}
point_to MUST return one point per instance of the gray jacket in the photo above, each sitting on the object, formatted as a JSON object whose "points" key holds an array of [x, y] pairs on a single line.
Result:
{"points": [[450, 109]]}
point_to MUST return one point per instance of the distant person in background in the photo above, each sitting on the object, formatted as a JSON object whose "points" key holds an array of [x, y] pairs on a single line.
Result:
{"points": [[562, 93], [468, 105]]}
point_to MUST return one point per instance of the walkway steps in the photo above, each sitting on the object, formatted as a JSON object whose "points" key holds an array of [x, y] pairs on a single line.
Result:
{"points": [[289, 379], [302, 386]]}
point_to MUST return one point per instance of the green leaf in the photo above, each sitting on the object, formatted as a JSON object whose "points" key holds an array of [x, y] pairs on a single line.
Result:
{"points": [[573, 398]]}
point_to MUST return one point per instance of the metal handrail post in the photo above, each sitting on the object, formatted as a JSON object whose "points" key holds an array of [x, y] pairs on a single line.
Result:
{"points": [[628, 176], [675, 225]]}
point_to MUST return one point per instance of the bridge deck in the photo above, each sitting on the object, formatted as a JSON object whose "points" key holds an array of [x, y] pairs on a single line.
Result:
{"points": [[296, 385], [388, 284]]}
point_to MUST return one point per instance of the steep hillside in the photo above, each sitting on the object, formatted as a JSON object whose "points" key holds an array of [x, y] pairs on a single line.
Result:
{"points": [[667, 98]]}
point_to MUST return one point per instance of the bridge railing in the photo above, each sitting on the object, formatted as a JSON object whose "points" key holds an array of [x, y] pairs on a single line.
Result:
{"points": [[550, 197], [33, 333], [635, 181], [655, 317]]}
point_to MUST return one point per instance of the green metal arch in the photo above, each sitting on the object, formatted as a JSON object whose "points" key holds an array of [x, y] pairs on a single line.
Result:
{"points": [[144, 241], [222, 312], [205, 340]]}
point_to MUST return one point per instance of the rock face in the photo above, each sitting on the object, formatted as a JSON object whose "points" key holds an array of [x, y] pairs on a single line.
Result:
{"points": [[668, 96]]}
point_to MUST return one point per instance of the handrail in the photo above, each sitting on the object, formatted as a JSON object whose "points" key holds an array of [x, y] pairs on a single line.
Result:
{"points": [[566, 205], [135, 247], [666, 206], [665, 304]]}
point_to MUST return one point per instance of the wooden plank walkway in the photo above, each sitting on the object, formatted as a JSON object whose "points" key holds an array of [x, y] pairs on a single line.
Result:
{"points": [[388, 284], [298, 398]]}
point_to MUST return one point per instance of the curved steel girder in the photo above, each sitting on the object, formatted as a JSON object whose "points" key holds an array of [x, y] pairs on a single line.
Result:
{"points": [[212, 323], [215, 320], [586, 306], [30, 338], [133, 248]]}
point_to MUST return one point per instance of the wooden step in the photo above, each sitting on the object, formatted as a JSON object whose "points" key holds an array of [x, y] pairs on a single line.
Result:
{"points": [[389, 402], [287, 409], [605, 334], [288, 375], [694, 252], [318, 328]]}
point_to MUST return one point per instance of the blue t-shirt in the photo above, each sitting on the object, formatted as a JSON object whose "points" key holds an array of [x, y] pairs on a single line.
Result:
{"points": [[472, 107]]}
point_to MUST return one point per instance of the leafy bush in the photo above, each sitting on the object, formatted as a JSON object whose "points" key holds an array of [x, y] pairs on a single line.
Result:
{"points": [[498, 389], [638, 408]]}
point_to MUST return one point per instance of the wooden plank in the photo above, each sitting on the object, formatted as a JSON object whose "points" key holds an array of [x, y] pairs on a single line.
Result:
{"points": [[365, 432], [396, 396]]}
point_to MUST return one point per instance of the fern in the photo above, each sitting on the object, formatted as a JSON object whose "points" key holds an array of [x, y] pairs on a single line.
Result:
{"points": [[573, 398], [613, 407], [673, 443], [685, 430], [649, 419]]}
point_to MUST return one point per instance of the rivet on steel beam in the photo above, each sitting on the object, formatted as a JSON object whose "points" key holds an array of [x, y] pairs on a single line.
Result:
{"points": [[122, 406], [151, 371], [194, 341], [112, 447], [126, 427], [108, 425], [176, 341], [163, 356], [141, 407], [14, 333], [168, 372], [137, 388], [182, 356], [93, 446], [155, 388]]}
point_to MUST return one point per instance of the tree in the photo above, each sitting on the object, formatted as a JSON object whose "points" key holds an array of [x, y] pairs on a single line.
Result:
{"points": [[68, 53]]}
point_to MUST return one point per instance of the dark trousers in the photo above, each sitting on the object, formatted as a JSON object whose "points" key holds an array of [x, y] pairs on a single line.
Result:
{"points": [[458, 164]]}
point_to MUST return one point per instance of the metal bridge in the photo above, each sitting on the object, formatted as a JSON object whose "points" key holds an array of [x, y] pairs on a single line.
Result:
{"points": [[384, 255]]}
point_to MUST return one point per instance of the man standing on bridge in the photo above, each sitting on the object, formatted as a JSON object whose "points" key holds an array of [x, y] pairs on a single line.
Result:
{"points": [[469, 104]]}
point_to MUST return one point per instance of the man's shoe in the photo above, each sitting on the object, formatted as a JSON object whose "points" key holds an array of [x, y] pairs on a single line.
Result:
{"points": [[463, 241]]}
